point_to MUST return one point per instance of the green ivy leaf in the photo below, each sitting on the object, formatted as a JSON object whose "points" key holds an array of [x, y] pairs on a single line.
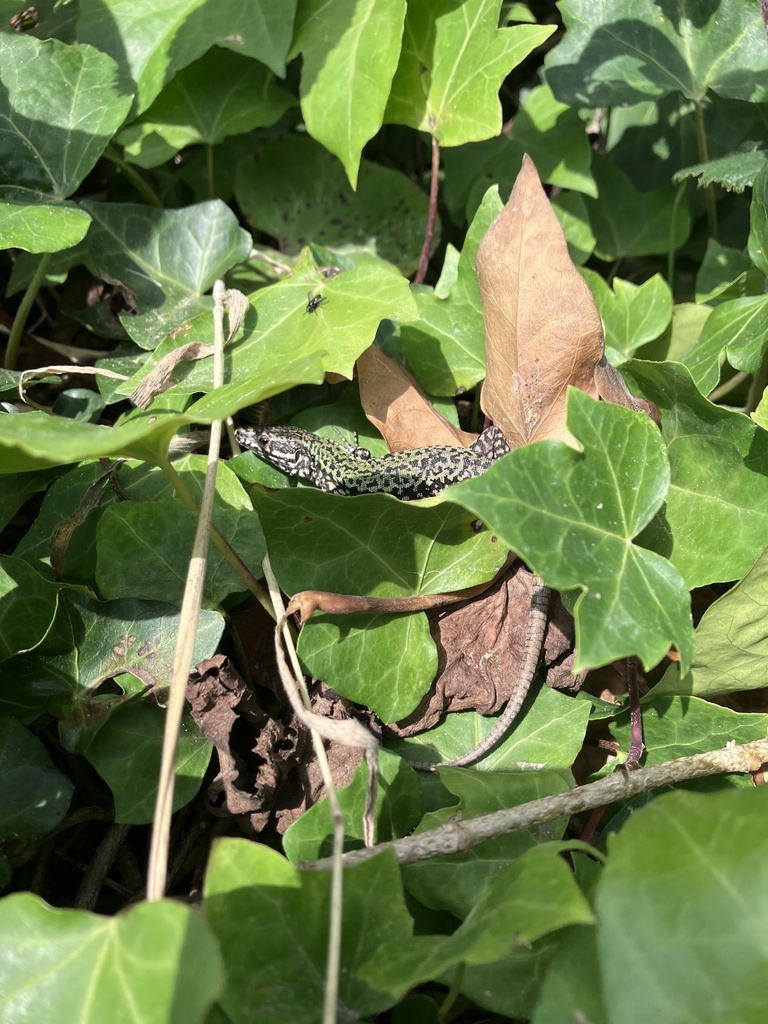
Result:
{"points": [[143, 550], [398, 810], [34, 796], [151, 42], [93, 641], [456, 882], [255, 900], [350, 53], [27, 606], [613, 55], [726, 273], [221, 94], [168, 258], [631, 223], [551, 133], [41, 226], [676, 727], [758, 222], [572, 516], [453, 62], [507, 915], [445, 349], [736, 329], [632, 314], [354, 545], [126, 752], [730, 649], [296, 191], [60, 107], [156, 963], [692, 869], [717, 489], [549, 731]]}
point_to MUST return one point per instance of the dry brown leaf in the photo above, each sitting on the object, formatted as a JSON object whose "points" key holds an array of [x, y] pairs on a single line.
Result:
{"points": [[542, 328], [480, 647], [394, 402]]}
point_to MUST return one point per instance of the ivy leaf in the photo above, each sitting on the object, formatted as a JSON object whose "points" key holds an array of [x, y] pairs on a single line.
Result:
{"points": [[27, 606], [350, 53], [572, 516], [352, 545], [717, 458], [254, 899], [167, 258], [613, 55], [221, 94], [631, 223], [155, 963], [34, 796], [126, 752], [698, 861], [151, 42], [445, 349], [506, 915], [41, 226], [758, 222], [295, 190], [453, 62], [60, 107], [734, 172], [632, 314], [736, 329], [730, 648]]}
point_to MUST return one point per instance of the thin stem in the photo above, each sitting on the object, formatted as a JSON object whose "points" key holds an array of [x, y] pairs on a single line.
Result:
{"points": [[701, 141], [727, 386], [144, 189], [209, 172], [19, 321], [452, 995], [434, 181], [758, 386]]}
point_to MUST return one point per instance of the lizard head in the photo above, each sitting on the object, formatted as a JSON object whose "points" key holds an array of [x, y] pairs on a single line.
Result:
{"points": [[287, 448]]}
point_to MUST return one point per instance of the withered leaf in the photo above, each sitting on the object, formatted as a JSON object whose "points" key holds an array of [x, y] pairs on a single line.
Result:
{"points": [[542, 328]]}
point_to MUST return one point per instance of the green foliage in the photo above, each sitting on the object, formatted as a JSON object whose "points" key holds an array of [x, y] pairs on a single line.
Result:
{"points": [[148, 150]]}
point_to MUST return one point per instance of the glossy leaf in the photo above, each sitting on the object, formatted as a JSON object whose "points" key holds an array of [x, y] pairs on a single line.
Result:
{"points": [[350, 53], [718, 487], [167, 258], [126, 752], [446, 348], [221, 94], [572, 516], [692, 866], [155, 964], [60, 106], [151, 42], [94, 641], [507, 915], [34, 796], [730, 649], [40, 226], [618, 54], [631, 223], [297, 192], [27, 606], [453, 62], [737, 329], [632, 314], [271, 921]]}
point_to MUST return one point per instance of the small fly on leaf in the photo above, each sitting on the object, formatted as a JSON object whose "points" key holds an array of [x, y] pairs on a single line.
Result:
{"points": [[313, 301]]}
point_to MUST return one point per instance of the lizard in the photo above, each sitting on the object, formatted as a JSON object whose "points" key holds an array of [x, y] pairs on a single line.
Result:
{"points": [[410, 475]]}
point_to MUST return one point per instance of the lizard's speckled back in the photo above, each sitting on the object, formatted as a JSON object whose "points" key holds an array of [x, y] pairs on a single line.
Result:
{"points": [[420, 473]]}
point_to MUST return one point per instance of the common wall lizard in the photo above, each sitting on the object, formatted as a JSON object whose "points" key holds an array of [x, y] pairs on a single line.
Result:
{"points": [[420, 473]]}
